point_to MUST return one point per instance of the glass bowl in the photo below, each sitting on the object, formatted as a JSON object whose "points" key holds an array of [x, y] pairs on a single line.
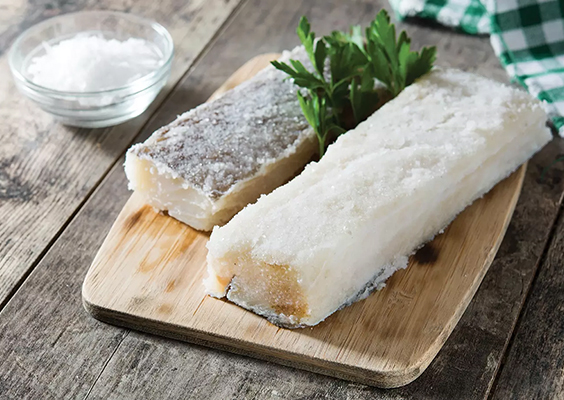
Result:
{"points": [[98, 108]]}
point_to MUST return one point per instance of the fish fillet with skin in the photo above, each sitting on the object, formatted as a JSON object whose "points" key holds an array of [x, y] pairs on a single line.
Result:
{"points": [[215, 159], [349, 221]]}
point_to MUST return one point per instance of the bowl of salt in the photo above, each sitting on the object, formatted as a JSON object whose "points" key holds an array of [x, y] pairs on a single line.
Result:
{"points": [[93, 68]]}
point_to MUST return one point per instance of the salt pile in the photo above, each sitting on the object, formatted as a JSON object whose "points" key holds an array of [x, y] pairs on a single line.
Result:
{"points": [[91, 63]]}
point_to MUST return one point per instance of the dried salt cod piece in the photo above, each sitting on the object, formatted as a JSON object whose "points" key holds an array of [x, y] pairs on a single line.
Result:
{"points": [[215, 159], [346, 223]]}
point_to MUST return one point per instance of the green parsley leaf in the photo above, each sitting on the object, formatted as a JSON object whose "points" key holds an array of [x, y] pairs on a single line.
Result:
{"points": [[403, 65], [338, 102], [306, 37]]}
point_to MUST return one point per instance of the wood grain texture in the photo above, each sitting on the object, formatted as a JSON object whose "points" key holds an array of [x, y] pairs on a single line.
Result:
{"points": [[164, 263], [49, 350], [51, 346], [534, 368], [47, 170]]}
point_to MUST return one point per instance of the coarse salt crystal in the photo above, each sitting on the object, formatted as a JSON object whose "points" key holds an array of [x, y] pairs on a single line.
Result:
{"points": [[90, 63]]}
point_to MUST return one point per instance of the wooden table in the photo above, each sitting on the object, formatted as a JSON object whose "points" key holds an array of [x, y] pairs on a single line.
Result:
{"points": [[61, 188]]}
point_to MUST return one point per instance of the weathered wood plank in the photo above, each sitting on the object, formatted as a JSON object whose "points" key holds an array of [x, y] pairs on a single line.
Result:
{"points": [[535, 362], [48, 346], [51, 346], [46, 169]]}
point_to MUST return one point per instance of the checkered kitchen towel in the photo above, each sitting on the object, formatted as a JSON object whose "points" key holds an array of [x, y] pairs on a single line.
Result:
{"points": [[527, 36]]}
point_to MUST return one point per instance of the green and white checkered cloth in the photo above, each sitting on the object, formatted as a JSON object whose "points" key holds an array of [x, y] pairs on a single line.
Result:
{"points": [[526, 35]]}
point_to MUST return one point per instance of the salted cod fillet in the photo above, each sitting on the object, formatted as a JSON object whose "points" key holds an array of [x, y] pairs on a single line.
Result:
{"points": [[215, 159], [349, 221]]}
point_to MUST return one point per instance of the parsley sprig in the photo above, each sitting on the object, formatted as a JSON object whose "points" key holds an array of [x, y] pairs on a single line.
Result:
{"points": [[340, 92]]}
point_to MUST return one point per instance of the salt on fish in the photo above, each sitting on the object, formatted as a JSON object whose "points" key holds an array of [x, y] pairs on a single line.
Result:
{"points": [[215, 159], [348, 222]]}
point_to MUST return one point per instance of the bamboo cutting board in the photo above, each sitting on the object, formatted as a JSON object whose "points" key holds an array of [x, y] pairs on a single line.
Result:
{"points": [[148, 276]]}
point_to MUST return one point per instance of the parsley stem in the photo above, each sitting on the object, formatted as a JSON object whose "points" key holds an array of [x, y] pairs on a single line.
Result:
{"points": [[321, 141]]}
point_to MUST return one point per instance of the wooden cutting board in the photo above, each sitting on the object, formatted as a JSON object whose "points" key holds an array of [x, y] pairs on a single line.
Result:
{"points": [[148, 276]]}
